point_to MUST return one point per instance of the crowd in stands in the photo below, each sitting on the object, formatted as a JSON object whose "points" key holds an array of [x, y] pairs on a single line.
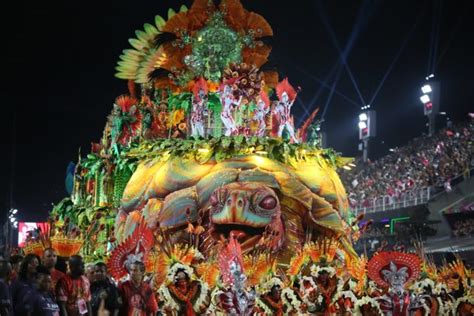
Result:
{"points": [[403, 236], [463, 228], [425, 162], [381, 239]]}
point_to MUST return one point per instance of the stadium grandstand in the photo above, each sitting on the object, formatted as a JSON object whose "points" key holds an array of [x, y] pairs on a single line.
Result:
{"points": [[421, 191]]}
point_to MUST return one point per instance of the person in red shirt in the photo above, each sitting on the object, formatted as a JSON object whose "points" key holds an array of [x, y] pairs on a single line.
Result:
{"points": [[137, 296], [73, 290], [50, 259]]}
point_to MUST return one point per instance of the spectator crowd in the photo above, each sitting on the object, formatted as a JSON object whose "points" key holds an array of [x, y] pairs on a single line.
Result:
{"points": [[36, 286], [425, 162], [463, 228]]}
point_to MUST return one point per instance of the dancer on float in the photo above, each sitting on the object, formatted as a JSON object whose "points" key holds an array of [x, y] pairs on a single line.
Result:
{"points": [[287, 96], [228, 100], [263, 107], [395, 270], [199, 102]]}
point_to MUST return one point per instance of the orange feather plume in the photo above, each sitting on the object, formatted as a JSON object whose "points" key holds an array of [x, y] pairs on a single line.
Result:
{"points": [[198, 14], [126, 102], [258, 23], [264, 97], [200, 84], [208, 272], [179, 22], [257, 55], [285, 86], [235, 14], [271, 79], [258, 268], [297, 263]]}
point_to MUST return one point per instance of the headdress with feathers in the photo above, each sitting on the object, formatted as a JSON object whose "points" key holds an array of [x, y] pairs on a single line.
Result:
{"points": [[264, 97], [285, 86], [200, 84]]}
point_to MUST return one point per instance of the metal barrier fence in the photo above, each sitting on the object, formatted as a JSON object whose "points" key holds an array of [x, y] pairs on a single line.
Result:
{"points": [[412, 198], [387, 202]]}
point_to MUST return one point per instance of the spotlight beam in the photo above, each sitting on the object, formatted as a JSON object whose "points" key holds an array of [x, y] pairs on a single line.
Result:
{"points": [[334, 84], [395, 59], [343, 54], [454, 30], [325, 85]]}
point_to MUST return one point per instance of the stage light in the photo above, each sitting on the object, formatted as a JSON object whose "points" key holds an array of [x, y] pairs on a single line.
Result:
{"points": [[12, 219], [391, 150], [15, 224], [351, 165], [426, 88], [347, 167], [363, 117], [425, 98], [362, 125]]}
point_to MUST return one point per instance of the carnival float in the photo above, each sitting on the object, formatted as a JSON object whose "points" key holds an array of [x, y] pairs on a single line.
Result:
{"points": [[201, 174]]}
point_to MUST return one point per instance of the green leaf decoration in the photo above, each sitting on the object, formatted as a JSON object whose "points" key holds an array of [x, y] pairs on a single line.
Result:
{"points": [[214, 47], [180, 101]]}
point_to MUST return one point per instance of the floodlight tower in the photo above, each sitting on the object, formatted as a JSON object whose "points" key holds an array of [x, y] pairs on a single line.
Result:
{"points": [[367, 123], [430, 100]]}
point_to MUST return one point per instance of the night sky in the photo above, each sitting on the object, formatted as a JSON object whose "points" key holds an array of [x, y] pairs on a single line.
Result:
{"points": [[58, 81]]}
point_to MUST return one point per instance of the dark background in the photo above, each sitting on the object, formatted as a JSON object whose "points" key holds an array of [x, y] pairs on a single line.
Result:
{"points": [[58, 81]]}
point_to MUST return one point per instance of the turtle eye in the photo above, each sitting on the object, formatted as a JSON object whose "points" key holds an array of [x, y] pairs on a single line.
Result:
{"points": [[268, 203]]}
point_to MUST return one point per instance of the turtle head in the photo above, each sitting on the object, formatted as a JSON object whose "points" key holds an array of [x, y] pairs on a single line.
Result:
{"points": [[247, 209]]}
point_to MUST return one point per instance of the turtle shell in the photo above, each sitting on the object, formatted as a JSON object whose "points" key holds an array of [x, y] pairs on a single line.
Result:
{"points": [[174, 192]]}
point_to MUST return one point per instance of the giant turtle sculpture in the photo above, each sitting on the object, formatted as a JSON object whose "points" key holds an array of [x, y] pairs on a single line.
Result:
{"points": [[252, 195]]}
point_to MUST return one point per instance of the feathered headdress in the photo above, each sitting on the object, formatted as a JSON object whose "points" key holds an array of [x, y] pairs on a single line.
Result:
{"points": [[391, 262], [161, 262], [258, 268], [357, 270], [230, 254], [200, 84], [264, 97], [125, 119], [134, 248], [285, 86]]}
